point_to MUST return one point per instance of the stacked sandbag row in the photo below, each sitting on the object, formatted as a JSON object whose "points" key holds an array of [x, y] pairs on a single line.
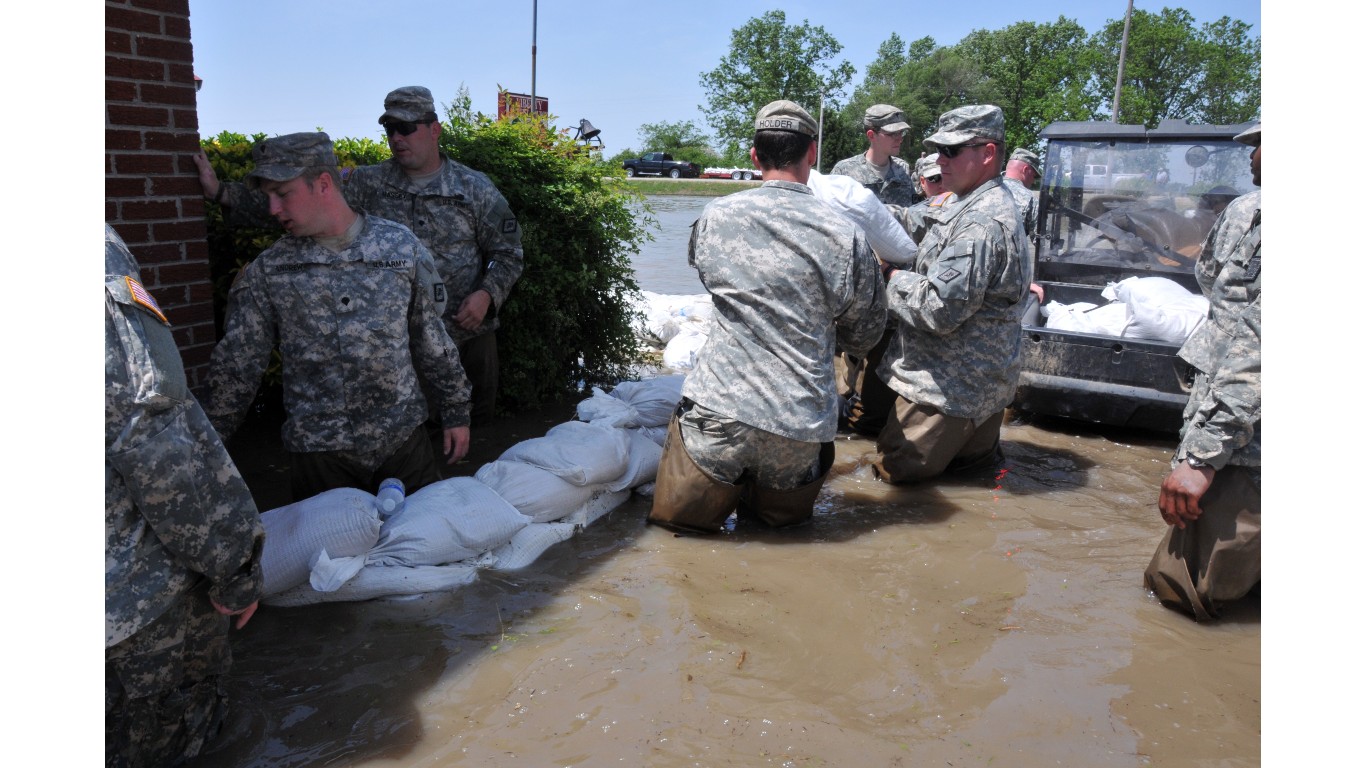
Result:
{"points": [[335, 546]]}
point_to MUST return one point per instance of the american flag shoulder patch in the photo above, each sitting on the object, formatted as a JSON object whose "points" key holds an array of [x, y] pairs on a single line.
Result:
{"points": [[142, 297]]}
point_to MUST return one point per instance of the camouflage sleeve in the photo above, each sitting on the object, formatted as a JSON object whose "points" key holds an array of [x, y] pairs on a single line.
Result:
{"points": [[240, 359], [952, 288], [436, 356], [500, 245], [177, 472], [1226, 403], [912, 219], [862, 324], [245, 207]]}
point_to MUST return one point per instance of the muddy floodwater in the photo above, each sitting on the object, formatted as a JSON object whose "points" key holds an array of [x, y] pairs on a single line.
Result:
{"points": [[988, 619]]}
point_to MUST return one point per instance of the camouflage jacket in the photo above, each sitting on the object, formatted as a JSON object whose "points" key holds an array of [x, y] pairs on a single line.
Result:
{"points": [[461, 217], [351, 326], [897, 189], [175, 508], [957, 345], [789, 278], [1223, 419], [1028, 203]]}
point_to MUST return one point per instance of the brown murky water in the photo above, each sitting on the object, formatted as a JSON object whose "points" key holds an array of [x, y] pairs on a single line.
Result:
{"points": [[991, 619], [996, 619]]}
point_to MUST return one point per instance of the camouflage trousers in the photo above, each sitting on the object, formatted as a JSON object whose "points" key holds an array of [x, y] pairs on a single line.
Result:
{"points": [[162, 699], [1217, 558], [726, 449], [734, 468]]}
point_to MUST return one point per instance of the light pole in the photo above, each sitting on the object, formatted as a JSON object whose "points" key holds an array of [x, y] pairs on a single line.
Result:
{"points": [[533, 57], [1123, 49]]}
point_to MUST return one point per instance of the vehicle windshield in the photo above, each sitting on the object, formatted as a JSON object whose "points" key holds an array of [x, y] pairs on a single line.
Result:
{"points": [[1142, 206]]}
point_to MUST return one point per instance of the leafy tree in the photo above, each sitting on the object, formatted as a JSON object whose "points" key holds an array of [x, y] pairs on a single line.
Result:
{"points": [[1038, 74], [768, 60], [1205, 74]]}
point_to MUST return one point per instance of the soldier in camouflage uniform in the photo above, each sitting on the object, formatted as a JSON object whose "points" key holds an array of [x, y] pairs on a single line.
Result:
{"points": [[1212, 498], [182, 538], [929, 177], [457, 213], [880, 168], [788, 277], [864, 399], [955, 360], [353, 301], [1022, 170]]}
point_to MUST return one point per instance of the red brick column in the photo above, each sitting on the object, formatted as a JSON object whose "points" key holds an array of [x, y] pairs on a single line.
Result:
{"points": [[152, 193]]}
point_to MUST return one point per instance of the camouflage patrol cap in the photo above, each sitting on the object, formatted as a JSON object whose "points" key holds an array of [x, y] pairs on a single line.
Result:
{"points": [[282, 158], [1028, 158], [1252, 136], [961, 125], [928, 166], [784, 115], [411, 103], [885, 117]]}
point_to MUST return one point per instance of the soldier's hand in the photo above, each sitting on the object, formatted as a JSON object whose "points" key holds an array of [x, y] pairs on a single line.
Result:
{"points": [[207, 178], [1179, 499], [473, 309], [243, 615], [455, 442]]}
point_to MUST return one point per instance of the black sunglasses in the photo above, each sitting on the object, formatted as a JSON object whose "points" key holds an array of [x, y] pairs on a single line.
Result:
{"points": [[403, 127], [952, 152]]}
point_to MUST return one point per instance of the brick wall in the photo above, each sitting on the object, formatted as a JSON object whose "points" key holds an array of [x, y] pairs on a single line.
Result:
{"points": [[152, 193]]}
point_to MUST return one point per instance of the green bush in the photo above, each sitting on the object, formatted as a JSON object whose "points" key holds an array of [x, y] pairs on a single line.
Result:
{"points": [[568, 324]]}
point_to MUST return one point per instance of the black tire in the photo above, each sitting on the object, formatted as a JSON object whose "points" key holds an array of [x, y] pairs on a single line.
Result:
{"points": [[630, 172], [749, 176], [674, 173], [735, 175]]}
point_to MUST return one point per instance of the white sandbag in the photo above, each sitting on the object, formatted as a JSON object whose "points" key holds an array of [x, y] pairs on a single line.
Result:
{"points": [[606, 411], [537, 493], [582, 454], [665, 315], [377, 581], [603, 501], [1084, 317], [680, 354], [858, 204], [343, 521], [656, 434], [1159, 308], [529, 544], [654, 400], [643, 464], [446, 522], [329, 574]]}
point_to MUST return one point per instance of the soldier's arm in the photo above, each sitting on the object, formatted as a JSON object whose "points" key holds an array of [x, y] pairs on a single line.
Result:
{"points": [[239, 360], [951, 291], [500, 246], [862, 323], [435, 354], [176, 470]]}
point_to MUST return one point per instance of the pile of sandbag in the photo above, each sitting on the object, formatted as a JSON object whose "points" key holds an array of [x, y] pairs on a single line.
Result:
{"points": [[1152, 308], [336, 547], [675, 324]]}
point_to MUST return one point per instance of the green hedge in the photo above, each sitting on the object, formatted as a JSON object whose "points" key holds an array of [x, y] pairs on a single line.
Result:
{"points": [[568, 324]]}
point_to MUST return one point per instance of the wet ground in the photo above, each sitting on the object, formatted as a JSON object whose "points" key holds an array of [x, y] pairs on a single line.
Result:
{"points": [[985, 620]]}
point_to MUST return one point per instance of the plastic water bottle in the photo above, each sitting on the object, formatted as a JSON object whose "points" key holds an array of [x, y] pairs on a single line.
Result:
{"points": [[390, 497]]}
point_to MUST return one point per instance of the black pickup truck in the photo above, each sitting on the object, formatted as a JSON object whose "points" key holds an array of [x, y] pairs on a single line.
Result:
{"points": [[662, 164]]}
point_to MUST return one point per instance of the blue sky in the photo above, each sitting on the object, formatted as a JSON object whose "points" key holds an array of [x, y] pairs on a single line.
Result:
{"points": [[300, 65]]}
